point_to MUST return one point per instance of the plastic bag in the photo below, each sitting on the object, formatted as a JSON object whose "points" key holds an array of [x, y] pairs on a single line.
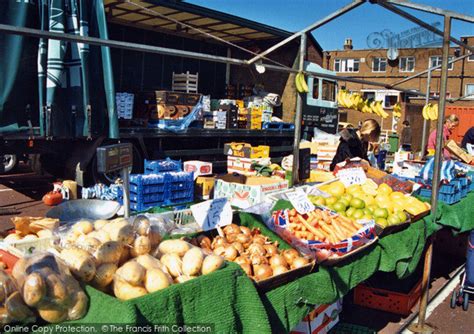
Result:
{"points": [[47, 285], [12, 306]]}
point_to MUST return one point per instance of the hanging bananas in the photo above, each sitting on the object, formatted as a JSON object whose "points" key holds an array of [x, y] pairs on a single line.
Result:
{"points": [[356, 101], [397, 110], [300, 82], [430, 112]]}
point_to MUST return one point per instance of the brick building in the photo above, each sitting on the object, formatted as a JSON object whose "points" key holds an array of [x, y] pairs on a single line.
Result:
{"points": [[375, 65]]}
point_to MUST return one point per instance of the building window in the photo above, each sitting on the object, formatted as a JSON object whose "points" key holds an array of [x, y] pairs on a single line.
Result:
{"points": [[436, 61], [407, 64], [469, 91], [436, 94], [370, 96], [315, 88], [329, 91], [379, 64], [471, 57], [390, 101], [346, 65]]}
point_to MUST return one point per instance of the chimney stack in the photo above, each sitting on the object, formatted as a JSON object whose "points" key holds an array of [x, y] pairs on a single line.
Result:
{"points": [[348, 44]]}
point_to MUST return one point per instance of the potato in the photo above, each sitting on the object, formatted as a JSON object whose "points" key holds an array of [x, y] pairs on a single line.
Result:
{"points": [[101, 235], [99, 223], [178, 247], [211, 263], [125, 291], [149, 262], [44, 233], [79, 309], [183, 278], [30, 237], [71, 237], [16, 308], [12, 238], [104, 275], [108, 252], [173, 264], [154, 235], [142, 225], [89, 244], [120, 231], [124, 254], [56, 290], [132, 273], [83, 226], [141, 245], [19, 269], [192, 261], [52, 313], [80, 262], [156, 279], [34, 289]]}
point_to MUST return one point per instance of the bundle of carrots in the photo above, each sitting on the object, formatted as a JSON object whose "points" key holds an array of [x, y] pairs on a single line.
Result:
{"points": [[322, 226]]}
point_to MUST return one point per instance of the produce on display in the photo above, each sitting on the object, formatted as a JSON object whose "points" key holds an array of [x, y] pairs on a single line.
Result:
{"points": [[12, 305], [355, 101], [300, 83], [31, 228], [430, 112], [255, 253], [370, 201], [48, 287]]}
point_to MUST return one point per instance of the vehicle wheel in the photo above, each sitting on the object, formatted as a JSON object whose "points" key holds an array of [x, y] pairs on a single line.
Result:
{"points": [[9, 163], [465, 302], [454, 299]]}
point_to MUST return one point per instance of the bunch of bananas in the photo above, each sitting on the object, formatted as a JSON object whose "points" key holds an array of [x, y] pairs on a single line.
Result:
{"points": [[397, 110], [377, 108], [357, 102], [300, 82], [430, 112]]}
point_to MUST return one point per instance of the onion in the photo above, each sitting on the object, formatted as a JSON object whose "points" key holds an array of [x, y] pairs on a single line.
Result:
{"points": [[256, 249], [279, 270], [242, 260], [230, 253], [277, 261], [231, 229], [218, 241], [238, 246], [204, 242], [231, 237], [219, 250], [247, 268], [262, 271], [245, 230], [258, 259], [271, 250], [290, 255], [259, 239], [243, 239], [299, 262]]}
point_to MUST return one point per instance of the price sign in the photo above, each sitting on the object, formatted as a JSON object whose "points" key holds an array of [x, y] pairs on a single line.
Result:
{"points": [[212, 213], [350, 176], [300, 201]]}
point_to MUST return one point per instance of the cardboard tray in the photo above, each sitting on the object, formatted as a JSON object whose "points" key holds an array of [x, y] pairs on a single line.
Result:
{"points": [[332, 261]]}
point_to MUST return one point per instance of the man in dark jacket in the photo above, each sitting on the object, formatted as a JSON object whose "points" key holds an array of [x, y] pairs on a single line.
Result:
{"points": [[468, 138], [350, 146]]}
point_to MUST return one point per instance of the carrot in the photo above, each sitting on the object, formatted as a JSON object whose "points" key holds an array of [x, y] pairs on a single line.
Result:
{"points": [[308, 226], [310, 236], [337, 229]]}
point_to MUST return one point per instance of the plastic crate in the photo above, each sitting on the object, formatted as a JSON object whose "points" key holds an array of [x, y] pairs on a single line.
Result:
{"points": [[179, 181], [446, 198], [387, 300], [166, 165]]}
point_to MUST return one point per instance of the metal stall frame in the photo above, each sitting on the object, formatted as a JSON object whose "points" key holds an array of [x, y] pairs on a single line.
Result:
{"points": [[387, 4]]}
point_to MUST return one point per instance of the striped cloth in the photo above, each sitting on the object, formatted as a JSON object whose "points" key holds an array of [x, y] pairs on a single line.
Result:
{"points": [[101, 191], [448, 170]]}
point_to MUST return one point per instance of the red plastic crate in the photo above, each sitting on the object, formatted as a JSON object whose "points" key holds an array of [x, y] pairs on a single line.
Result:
{"points": [[386, 300], [9, 260]]}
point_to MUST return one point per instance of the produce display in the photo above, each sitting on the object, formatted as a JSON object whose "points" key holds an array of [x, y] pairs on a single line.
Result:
{"points": [[355, 101], [12, 306], [31, 228], [370, 201], [430, 112], [249, 248], [48, 287]]}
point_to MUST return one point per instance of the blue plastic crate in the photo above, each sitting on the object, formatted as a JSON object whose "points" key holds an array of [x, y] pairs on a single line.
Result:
{"points": [[166, 165], [140, 206], [471, 186], [147, 184], [443, 197], [179, 181]]}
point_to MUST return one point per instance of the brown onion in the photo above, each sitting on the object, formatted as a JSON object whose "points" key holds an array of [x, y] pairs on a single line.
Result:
{"points": [[259, 239], [256, 249], [299, 262], [230, 253], [247, 268], [279, 270], [243, 239], [271, 250], [258, 259], [204, 242], [242, 260], [219, 250], [245, 230], [290, 255], [278, 260], [231, 237], [262, 271], [238, 246], [218, 241], [231, 229]]}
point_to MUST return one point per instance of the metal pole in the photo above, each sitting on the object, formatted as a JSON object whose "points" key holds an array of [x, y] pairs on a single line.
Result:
{"points": [[421, 326], [126, 192], [431, 9], [315, 25], [298, 116], [425, 121]]}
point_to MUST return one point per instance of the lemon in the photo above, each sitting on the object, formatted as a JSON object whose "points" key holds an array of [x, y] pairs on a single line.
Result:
{"points": [[396, 195], [336, 188], [353, 188], [384, 189], [381, 222], [380, 213], [357, 203], [331, 200], [369, 190]]}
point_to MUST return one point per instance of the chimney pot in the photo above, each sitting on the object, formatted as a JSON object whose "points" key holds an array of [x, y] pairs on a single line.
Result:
{"points": [[348, 44]]}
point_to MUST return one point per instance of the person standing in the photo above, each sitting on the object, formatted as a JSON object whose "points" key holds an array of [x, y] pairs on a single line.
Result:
{"points": [[405, 136], [451, 122]]}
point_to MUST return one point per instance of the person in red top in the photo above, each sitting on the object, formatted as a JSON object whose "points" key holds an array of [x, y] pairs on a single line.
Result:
{"points": [[451, 122]]}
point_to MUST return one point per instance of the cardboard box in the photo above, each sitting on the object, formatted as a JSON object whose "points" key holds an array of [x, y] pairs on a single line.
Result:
{"points": [[245, 150], [458, 152], [246, 191], [198, 167], [243, 165], [320, 320], [204, 187], [165, 111]]}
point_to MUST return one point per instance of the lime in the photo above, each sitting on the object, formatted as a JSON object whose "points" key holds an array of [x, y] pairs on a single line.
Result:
{"points": [[331, 200], [358, 214], [350, 211], [367, 216], [381, 222], [340, 206], [402, 216], [393, 220], [344, 201], [380, 213], [357, 203], [347, 197]]}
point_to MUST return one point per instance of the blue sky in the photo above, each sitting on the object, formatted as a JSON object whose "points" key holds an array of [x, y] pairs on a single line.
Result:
{"points": [[358, 24]]}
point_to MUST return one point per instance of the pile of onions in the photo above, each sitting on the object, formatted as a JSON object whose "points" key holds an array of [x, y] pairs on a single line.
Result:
{"points": [[258, 257]]}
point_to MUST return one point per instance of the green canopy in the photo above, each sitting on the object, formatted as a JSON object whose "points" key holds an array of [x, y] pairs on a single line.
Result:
{"points": [[76, 95]]}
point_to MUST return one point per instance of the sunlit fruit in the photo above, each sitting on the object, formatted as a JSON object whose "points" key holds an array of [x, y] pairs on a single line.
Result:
{"points": [[393, 220], [336, 188], [340, 206], [384, 189], [402, 216], [331, 200], [368, 211], [357, 203], [368, 200], [396, 195], [347, 197], [344, 201], [353, 188], [318, 200], [369, 190], [381, 222], [368, 217], [382, 198], [380, 213], [350, 211], [358, 214]]}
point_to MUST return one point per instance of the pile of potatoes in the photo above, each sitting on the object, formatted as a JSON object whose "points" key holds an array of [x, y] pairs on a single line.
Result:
{"points": [[258, 257], [48, 287], [93, 251], [178, 262], [31, 228], [13, 308]]}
